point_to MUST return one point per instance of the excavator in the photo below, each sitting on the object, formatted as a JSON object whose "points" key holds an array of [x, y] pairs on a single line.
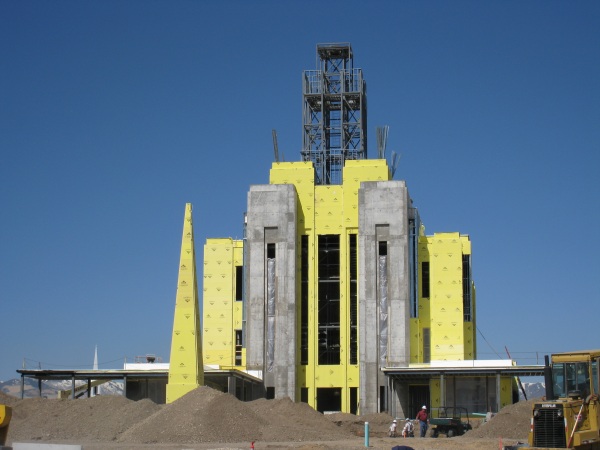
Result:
{"points": [[5, 416], [568, 417]]}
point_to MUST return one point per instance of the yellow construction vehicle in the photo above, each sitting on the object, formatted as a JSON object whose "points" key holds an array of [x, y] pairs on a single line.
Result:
{"points": [[5, 415], [569, 415]]}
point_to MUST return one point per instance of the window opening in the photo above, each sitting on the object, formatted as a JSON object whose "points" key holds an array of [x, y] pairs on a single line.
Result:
{"points": [[353, 301], [466, 281], [329, 299], [238, 347], [413, 242], [304, 395], [329, 399], [425, 279], [353, 400], [304, 301], [382, 280], [239, 283], [270, 351]]}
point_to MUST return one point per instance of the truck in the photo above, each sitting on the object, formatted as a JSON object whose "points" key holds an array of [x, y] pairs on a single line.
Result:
{"points": [[569, 415]]}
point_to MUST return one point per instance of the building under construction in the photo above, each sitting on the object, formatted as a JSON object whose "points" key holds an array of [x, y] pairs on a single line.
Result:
{"points": [[335, 297], [335, 292]]}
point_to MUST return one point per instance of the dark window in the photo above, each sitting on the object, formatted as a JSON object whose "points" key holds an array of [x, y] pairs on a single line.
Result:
{"points": [[382, 248], [304, 301], [425, 279], [353, 400], [239, 283], [353, 302], [304, 395], [329, 399], [329, 299], [238, 347], [466, 273], [413, 263], [270, 251], [270, 395]]}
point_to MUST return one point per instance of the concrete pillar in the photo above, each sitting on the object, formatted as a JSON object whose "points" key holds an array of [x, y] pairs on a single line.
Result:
{"points": [[382, 215], [498, 392], [271, 219]]}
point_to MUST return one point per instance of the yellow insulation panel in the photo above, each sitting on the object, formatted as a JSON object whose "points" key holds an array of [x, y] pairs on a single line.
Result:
{"points": [[222, 314], [185, 366], [451, 337]]}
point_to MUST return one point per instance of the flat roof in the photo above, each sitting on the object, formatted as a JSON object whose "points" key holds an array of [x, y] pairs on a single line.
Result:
{"points": [[463, 370], [121, 374]]}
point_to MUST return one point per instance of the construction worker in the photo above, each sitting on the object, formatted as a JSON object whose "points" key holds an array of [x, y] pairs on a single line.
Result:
{"points": [[393, 427], [423, 419], [409, 429]]}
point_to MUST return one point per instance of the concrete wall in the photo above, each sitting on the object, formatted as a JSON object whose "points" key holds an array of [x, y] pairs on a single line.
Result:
{"points": [[271, 218], [383, 215]]}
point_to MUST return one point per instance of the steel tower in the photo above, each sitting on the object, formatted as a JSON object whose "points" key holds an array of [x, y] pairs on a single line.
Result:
{"points": [[334, 113]]}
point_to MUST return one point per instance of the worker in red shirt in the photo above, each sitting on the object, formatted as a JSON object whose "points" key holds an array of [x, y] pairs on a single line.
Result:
{"points": [[423, 418]]}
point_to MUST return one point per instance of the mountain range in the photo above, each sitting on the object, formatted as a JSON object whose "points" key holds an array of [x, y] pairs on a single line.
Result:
{"points": [[51, 388]]}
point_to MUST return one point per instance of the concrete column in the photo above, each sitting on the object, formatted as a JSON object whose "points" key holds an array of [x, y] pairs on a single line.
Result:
{"points": [[382, 215], [442, 389], [498, 391], [231, 385], [271, 219]]}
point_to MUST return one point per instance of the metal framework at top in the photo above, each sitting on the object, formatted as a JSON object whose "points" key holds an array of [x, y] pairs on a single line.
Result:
{"points": [[334, 113]]}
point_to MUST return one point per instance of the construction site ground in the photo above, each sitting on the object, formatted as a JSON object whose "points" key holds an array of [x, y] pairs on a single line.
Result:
{"points": [[208, 419]]}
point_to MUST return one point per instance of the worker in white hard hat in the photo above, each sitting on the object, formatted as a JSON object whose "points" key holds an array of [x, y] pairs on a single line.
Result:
{"points": [[393, 427], [423, 419], [409, 429]]}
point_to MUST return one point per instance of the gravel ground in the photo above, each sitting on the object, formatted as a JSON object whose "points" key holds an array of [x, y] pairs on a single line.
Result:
{"points": [[208, 419]]}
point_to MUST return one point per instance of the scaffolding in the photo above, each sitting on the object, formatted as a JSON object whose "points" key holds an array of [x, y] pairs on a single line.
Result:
{"points": [[334, 113]]}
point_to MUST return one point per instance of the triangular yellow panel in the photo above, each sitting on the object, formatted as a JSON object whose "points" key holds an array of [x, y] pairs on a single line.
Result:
{"points": [[186, 371]]}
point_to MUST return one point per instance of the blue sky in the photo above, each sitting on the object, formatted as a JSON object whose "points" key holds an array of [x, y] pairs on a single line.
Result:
{"points": [[115, 114]]}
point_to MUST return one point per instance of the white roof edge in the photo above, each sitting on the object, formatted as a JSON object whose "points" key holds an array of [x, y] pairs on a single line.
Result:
{"points": [[468, 363]]}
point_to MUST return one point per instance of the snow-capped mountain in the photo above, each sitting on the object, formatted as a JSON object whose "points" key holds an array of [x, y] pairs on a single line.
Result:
{"points": [[533, 390], [51, 388]]}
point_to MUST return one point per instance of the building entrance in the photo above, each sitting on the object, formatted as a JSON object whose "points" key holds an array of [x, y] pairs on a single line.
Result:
{"points": [[418, 395], [329, 399]]}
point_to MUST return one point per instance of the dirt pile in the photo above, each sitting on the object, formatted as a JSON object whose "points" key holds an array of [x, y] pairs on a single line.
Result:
{"points": [[100, 418], [206, 415], [6, 399], [511, 422], [203, 415], [379, 423]]}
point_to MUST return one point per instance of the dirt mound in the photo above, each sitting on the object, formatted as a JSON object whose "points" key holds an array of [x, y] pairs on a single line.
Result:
{"points": [[100, 418], [289, 421], [511, 422], [6, 399], [202, 415], [379, 423], [206, 415]]}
